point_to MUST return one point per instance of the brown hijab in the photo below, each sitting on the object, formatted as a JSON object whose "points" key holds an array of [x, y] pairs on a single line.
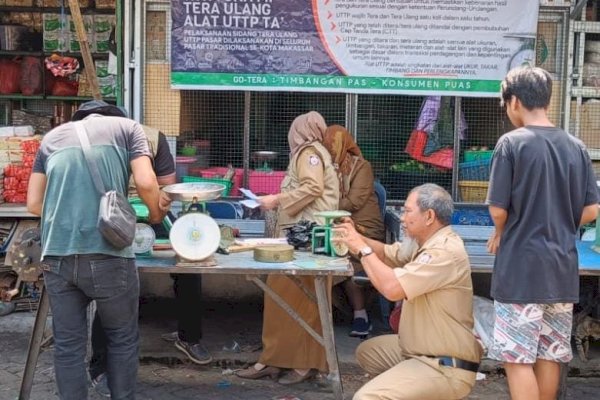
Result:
{"points": [[341, 145], [306, 128], [338, 141]]}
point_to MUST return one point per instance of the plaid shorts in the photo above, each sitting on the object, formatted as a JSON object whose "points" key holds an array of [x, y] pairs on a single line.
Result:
{"points": [[526, 332]]}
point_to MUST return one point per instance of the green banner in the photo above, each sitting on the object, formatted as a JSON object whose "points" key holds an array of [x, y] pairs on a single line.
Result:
{"points": [[351, 83]]}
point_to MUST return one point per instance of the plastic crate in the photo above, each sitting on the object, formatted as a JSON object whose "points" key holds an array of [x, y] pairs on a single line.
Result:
{"points": [[475, 170], [477, 155], [225, 182], [473, 191], [262, 182], [219, 172]]}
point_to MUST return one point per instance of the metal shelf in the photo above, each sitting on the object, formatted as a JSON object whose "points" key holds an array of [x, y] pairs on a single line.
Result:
{"points": [[586, 26], [56, 10], [585, 91], [594, 154], [18, 96], [15, 210]]}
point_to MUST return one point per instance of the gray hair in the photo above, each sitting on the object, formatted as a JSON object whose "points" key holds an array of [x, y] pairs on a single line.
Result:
{"points": [[434, 197]]}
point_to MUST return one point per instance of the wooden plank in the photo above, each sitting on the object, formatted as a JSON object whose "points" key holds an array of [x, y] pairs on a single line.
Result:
{"points": [[88, 61]]}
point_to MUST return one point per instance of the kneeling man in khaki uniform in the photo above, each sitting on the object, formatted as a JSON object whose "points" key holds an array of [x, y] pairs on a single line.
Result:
{"points": [[435, 355]]}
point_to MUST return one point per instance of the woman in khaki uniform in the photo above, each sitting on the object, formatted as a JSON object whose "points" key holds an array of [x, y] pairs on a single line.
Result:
{"points": [[311, 185], [357, 195]]}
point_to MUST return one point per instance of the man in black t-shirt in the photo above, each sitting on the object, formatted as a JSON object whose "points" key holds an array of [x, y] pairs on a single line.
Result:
{"points": [[542, 189]]}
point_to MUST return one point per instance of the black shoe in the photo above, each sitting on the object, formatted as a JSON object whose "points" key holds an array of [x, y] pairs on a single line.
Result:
{"points": [[195, 352], [360, 327]]}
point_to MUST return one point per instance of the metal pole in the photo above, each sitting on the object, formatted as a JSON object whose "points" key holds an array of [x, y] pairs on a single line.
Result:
{"points": [[456, 152], [281, 303], [247, 109], [37, 336]]}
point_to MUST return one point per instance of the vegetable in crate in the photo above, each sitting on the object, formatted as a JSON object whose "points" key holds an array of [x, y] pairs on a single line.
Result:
{"points": [[408, 166]]}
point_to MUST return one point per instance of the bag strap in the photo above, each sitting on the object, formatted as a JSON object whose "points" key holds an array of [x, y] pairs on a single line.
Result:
{"points": [[92, 166]]}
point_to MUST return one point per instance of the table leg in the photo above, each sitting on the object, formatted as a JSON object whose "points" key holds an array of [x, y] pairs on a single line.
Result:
{"points": [[34, 345], [327, 326]]}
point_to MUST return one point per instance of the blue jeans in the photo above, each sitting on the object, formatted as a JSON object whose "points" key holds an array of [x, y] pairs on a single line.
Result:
{"points": [[72, 282]]}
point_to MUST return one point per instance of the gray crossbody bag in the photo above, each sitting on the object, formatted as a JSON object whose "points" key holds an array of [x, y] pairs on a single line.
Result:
{"points": [[116, 217]]}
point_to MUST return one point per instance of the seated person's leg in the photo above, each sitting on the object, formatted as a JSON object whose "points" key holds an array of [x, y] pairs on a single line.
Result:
{"points": [[379, 354], [414, 379]]}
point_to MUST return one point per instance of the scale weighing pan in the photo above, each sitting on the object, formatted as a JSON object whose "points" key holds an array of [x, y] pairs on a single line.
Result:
{"points": [[195, 236], [194, 191], [333, 214], [339, 249]]}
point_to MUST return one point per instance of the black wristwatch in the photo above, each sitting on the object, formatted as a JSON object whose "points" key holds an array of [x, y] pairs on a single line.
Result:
{"points": [[365, 251]]}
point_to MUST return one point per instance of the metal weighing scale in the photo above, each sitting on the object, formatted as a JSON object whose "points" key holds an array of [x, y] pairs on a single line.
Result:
{"points": [[145, 237], [322, 235], [263, 158], [194, 236]]}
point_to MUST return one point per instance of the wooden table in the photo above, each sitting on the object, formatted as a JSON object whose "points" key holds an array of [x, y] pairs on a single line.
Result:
{"points": [[322, 268]]}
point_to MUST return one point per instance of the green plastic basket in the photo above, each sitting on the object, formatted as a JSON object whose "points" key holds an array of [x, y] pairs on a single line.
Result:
{"points": [[225, 182]]}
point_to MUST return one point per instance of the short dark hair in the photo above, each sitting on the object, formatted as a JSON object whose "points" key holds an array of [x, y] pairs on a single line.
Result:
{"points": [[98, 107], [434, 197], [531, 85]]}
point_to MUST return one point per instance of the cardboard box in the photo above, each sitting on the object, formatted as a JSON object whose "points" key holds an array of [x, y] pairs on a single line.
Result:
{"points": [[589, 123], [19, 3], [548, 46], [555, 108], [103, 4], [163, 108], [58, 3]]}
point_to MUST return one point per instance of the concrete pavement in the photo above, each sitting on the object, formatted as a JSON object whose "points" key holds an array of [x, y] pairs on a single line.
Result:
{"points": [[165, 374]]}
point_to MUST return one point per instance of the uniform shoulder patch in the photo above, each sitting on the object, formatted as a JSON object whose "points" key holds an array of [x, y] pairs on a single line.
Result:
{"points": [[424, 258], [314, 160]]}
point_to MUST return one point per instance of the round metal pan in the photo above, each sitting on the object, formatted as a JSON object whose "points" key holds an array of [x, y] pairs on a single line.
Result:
{"points": [[264, 155], [194, 191]]}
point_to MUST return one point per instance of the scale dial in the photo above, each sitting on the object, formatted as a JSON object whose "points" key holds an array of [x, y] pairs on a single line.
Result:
{"points": [[195, 236], [144, 238]]}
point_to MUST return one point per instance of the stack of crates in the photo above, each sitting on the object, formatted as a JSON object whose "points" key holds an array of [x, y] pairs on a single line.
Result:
{"points": [[474, 175]]}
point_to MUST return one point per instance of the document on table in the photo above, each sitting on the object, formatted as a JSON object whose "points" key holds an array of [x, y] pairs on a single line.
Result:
{"points": [[250, 202]]}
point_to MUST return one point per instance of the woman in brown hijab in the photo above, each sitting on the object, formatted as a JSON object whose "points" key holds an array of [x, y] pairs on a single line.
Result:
{"points": [[357, 195], [311, 185]]}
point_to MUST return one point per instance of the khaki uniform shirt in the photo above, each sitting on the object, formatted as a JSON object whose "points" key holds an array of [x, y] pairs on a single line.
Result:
{"points": [[437, 315], [311, 185]]}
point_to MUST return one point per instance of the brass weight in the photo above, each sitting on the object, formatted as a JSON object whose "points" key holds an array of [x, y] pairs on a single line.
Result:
{"points": [[274, 253]]}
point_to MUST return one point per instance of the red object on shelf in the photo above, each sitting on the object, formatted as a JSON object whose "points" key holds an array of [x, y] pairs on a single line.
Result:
{"points": [[32, 76], [416, 145], [261, 182], [10, 76]]}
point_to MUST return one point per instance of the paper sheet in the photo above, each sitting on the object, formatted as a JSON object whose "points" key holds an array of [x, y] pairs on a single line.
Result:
{"points": [[248, 193]]}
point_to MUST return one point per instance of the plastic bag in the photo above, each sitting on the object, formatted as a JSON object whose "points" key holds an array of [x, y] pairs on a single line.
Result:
{"points": [[484, 316], [10, 76], [300, 234], [32, 76]]}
